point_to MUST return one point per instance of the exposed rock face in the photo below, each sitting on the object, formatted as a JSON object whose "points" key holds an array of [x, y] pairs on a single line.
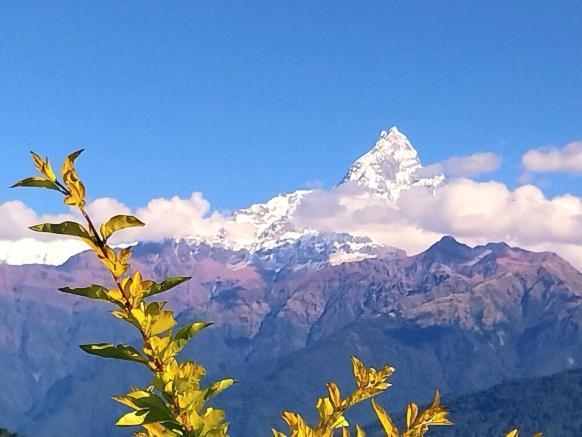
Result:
{"points": [[454, 317]]}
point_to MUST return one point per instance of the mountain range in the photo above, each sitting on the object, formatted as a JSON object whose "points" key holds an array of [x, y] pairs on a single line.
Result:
{"points": [[291, 304]]}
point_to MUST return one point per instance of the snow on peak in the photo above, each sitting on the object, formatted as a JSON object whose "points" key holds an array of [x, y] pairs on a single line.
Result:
{"points": [[390, 167]]}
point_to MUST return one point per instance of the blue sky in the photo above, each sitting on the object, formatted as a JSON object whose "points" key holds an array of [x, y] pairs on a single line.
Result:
{"points": [[241, 100]]}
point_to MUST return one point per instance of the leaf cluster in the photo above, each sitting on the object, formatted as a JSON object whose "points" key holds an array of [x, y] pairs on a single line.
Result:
{"points": [[175, 401]]}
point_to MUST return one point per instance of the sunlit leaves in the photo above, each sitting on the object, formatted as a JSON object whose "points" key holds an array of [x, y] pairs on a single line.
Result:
{"points": [[36, 182], [369, 381], [75, 189], [117, 223], [94, 291], [515, 433], [120, 352], [72, 229], [153, 319], [149, 408], [182, 337], [297, 425], [165, 285], [418, 423], [218, 387], [331, 409], [174, 406], [385, 421], [334, 394]]}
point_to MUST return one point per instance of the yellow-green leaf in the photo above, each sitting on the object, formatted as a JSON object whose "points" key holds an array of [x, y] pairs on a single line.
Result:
{"points": [[117, 223], [160, 287], [43, 166], [334, 393], [360, 432], [385, 420], [134, 418], [218, 387], [120, 352], [38, 182], [143, 399], [94, 291], [162, 322], [73, 229], [411, 413], [70, 161], [187, 332]]}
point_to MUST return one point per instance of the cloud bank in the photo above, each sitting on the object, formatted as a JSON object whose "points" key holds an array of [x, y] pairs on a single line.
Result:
{"points": [[553, 159], [464, 166], [474, 212]]}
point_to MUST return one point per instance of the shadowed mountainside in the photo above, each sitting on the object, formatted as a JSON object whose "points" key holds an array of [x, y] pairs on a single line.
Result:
{"points": [[456, 318]]}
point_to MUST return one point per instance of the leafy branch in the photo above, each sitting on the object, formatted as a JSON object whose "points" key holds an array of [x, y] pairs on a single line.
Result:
{"points": [[174, 404]]}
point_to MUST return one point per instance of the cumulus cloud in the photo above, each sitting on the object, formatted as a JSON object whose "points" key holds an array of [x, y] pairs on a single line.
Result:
{"points": [[174, 217], [464, 166], [553, 159], [16, 217], [474, 212]]}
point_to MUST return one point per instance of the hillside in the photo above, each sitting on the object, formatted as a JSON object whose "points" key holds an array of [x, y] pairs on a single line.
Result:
{"points": [[458, 318]]}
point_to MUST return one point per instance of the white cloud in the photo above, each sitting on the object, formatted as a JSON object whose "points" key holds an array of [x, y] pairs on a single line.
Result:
{"points": [[174, 217], [553, 159], [465, 166], [474, 212], [16, 217], [178, 217]]}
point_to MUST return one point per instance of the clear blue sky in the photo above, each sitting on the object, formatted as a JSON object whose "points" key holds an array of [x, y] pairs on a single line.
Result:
{"points": [[244, 99]]}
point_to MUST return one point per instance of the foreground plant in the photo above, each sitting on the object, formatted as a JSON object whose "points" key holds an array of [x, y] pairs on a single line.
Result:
{"points": [[369, 383], [174, 403]]}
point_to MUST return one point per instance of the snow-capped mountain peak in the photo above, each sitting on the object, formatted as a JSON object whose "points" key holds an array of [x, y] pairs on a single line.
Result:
{"points": [[391, 166]]}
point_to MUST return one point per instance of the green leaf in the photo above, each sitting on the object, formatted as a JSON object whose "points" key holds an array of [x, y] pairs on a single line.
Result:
{"points": [[65, 228], [133, 418], [118, 222], [93, 291], [36, 181], [160, 287], [385, 421], [120, 352], [143, 399], [145, 416], [218, 386], [187, 332]]}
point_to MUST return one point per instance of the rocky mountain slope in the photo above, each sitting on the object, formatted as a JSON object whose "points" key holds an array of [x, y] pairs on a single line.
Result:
{"points": [[454, 317]]}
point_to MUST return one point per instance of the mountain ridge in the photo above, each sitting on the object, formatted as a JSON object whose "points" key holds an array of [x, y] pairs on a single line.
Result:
{"points": [[390, 167], [461, 323]]}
